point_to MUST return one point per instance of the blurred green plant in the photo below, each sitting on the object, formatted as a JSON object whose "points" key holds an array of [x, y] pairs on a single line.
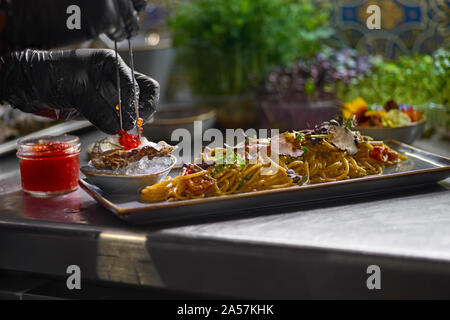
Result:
{"points": [[228, 46], [422, 81], [416, 80]]}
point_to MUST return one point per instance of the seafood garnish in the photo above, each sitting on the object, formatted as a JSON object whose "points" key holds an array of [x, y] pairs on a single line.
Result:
{"points": [[108, 154]]}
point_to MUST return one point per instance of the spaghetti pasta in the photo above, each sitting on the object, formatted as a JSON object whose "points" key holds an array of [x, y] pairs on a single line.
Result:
{"points": [[322, 161]]}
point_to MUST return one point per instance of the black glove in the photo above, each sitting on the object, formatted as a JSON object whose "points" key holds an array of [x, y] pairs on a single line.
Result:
{"points": [[42, 24], [73, 83]]}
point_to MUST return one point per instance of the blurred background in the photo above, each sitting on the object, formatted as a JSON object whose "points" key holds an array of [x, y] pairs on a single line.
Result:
{"points": [[289, 64]]}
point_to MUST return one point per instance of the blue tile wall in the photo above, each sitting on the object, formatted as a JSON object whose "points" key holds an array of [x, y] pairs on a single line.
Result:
{"points": [[407, 26]]}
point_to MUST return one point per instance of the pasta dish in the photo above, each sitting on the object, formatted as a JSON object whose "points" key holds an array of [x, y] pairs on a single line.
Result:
{"points": [[330, 152]]}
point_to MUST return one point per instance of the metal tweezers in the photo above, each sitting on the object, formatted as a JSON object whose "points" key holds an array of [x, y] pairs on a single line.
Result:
{"points": [[136, 102]]}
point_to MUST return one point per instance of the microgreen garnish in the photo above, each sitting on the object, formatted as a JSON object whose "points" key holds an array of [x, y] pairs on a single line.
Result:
{"points": [[240, 161], [243, 181], [305, 150], [318, 136], [302, 181], [349, 124], [298, 135], [217, 169]]}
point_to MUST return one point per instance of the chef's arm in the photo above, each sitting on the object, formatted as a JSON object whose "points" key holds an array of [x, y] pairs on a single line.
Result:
{"points": [[72, 84], [45, 24]]}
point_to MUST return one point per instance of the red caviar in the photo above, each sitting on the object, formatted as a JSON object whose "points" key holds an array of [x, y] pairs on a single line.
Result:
{"points": [[128, 140], [49, 165]]}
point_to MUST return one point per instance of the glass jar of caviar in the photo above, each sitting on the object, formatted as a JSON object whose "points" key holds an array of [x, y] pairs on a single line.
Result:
{"points": [[49, 164]]}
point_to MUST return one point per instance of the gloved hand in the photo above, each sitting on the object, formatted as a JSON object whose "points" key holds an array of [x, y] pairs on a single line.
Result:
{"points": [[73, 83], [42, 24]]}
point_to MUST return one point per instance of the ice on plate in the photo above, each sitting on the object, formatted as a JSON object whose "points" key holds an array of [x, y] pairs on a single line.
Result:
{"points": [[141, 167]]}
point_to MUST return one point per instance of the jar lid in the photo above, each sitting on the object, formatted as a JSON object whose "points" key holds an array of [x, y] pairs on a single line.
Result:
{"points": [[48, 146]]}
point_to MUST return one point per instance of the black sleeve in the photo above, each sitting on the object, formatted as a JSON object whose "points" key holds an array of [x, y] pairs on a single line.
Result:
{"points": [[42, 24]]}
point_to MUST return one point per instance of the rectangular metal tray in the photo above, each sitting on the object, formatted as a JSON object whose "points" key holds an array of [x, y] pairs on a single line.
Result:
{"points": [[421, 168]]}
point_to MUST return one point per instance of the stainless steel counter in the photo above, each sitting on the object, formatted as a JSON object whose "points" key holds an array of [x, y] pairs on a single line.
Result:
{"points": [[317, 251]]}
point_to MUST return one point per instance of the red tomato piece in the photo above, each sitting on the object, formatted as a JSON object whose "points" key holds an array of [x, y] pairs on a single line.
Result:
{"points": [[379, 154], [392, 155], [197, 185], [383, 154]]}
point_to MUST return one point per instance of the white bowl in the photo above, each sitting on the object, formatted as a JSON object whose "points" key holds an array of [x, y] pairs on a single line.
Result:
{"points": [[125, 184], [406, 134]]}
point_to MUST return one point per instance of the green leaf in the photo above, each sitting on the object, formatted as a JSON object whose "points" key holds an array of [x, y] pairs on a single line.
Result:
{"points": [[299, 135], [302, 181], [305, 149], [217, 169], [349, 124]]}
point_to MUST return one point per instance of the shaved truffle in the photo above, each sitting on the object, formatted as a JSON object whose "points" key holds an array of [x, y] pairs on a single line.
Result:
{"points": [[343, 139], [288, 145]]}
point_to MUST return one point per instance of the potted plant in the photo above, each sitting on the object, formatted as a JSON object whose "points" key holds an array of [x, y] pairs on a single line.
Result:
{"points": [[303, 94], [228, 46]]}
